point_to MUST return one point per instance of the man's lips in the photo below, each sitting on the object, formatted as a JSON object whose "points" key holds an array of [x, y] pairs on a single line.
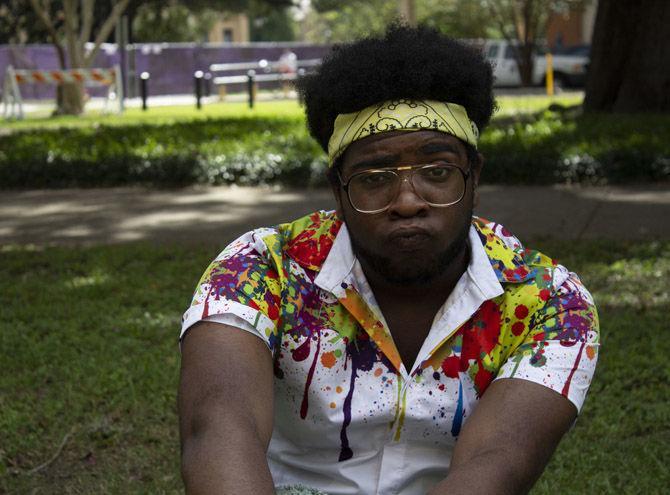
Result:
{"points": [[409, 238]]}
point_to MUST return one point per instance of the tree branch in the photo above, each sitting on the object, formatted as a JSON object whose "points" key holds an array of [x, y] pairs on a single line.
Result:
{"points": [[499, 17], [105, 30], [86, 21], [71, 31], [43, 15]]}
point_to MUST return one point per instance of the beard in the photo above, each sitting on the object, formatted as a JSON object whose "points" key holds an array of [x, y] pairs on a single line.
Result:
{"points": [[415, 270]]}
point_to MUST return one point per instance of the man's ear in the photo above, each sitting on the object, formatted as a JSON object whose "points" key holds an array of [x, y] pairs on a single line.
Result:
{"points": [[476, 170]]}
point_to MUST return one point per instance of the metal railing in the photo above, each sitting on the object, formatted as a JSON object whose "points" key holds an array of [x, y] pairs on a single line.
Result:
{"points": [[268, 73]]}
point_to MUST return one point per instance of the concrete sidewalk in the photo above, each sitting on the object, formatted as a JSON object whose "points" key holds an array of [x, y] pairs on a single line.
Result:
{"points": [[218, 214]]}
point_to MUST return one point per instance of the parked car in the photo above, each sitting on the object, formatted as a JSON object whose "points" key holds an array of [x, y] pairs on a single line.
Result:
{"points": [[569, 67]]}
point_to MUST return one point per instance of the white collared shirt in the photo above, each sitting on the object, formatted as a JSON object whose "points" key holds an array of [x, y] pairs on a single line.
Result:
{"points": [[350, 418]]}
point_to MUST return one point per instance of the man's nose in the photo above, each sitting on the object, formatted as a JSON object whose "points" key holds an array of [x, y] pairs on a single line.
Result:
{"points": [[407, 202]]}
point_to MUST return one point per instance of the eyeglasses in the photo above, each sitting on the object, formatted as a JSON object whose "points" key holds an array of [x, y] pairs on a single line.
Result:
{"points": [[438, 184]]}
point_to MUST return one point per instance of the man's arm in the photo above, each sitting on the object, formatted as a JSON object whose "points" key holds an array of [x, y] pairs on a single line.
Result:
{"points": [[506, 443], [225, 411]]}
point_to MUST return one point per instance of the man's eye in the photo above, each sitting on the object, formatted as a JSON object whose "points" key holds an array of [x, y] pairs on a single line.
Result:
{"points": [[376, 179], [437, 173]]}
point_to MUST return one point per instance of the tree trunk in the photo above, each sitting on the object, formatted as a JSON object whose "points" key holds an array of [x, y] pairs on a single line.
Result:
{"points": [[69, 99], [407, 11], [526, 64], [629, 70]]}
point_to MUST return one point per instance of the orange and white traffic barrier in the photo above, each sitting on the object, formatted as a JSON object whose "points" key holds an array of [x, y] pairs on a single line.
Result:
{"points": [[11, 94], [103, 77]]}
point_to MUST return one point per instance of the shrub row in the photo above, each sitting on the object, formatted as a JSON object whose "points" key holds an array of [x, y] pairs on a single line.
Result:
{"points": [[550, 147]]}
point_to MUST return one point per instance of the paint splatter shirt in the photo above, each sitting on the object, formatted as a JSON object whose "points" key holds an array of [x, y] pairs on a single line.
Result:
{"points": [[349, 416]]}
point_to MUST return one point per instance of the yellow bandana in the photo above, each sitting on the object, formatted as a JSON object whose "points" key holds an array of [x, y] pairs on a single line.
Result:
{"points": [[401, 115]]}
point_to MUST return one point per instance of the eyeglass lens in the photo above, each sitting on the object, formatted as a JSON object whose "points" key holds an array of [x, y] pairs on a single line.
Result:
{"points": [[377, 189]]}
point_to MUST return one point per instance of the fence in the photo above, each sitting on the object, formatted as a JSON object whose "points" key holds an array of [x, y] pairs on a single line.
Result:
{"points": [[171, 65]]}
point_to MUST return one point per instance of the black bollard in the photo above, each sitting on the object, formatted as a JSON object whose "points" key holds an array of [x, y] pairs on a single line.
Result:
{"points": [[197, 77], [144, 92], [251, 76]]}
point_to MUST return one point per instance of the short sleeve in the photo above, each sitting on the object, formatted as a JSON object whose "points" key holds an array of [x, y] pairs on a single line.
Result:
{"points": [[561, 349], [242, 282]]}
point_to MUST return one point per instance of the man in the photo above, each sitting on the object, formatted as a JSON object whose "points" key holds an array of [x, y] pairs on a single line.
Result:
{"points": [[398, 345], [288, 66]]}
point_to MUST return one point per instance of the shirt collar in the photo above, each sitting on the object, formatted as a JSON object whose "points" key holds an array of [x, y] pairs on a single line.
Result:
{"points": [[323, 245], [339, 263]]}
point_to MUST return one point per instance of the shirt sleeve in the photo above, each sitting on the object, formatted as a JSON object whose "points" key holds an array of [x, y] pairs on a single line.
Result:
{"points": [[240, 287], [561, 349]]}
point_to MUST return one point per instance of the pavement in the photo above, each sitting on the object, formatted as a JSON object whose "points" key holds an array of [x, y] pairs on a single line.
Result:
{"points": [[219, 214]]}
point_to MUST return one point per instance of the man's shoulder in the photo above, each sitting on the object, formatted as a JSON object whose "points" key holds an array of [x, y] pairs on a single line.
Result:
{"points": [[526, 271], [306, 240], [510, 259]]}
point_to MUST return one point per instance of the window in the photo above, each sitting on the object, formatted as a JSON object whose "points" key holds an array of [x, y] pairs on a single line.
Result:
{"points": [[492, 52], [511, 52], [227, 35]]}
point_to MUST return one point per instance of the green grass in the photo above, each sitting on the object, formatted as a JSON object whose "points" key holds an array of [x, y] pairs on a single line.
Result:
{"points": [[230, 144], [89, 348], [508, 105], [159, 115]]}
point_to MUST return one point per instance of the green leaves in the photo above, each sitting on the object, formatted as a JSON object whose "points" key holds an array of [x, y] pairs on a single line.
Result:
{"points": [[542, 148]]}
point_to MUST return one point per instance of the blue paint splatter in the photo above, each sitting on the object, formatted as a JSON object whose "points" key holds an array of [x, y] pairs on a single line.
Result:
{"points": [[458, 416]]}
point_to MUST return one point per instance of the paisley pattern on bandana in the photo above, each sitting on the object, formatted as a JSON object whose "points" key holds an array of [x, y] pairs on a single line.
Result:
{"points": [[337, 368]]}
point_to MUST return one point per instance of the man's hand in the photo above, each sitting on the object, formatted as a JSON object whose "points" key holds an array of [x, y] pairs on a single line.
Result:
{"points": [[225, 411], [506, 443]]}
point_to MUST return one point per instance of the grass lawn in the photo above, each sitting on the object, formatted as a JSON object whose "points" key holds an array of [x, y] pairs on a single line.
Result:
{"points": [[508, 105], [90, 366]]}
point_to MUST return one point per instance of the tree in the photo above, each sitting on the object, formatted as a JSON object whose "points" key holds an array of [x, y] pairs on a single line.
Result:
{"points": [[270, 22], [192, 20], [523, 23], [71, 24], [18, 23], [70, 37], [407, 11], [170, 22], [457, 18], [630, 69], [343, 20], [336, 21]]}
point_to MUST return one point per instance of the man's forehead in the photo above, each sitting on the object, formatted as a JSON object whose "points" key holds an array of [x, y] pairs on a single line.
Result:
{"points": [[393, 143]]}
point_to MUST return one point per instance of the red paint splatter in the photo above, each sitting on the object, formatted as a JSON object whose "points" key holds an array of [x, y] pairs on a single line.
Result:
{"points": [[521, 311], [451, 366], [301, 352], [480, 336], [483, 379]]}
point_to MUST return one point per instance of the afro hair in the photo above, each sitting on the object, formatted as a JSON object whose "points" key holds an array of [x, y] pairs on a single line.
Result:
{"points": [[406, 62]]}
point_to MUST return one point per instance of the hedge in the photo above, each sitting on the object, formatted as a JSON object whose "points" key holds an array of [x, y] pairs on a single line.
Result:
{"points": [[554, 146]]}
